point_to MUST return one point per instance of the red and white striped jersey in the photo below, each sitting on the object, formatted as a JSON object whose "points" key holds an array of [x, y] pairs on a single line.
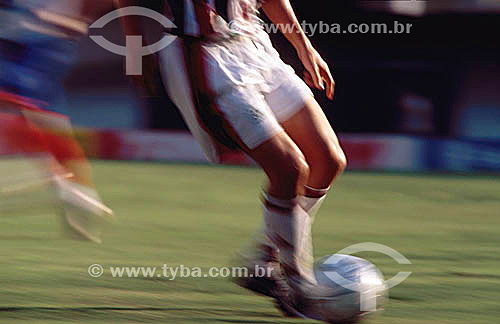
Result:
{"points": [[198, 17]]}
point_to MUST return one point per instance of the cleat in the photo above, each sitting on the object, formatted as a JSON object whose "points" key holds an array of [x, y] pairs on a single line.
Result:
{"points": [[306, 299], [75, 229], [71, 195], [83, 215], [269, 286], [273, 286]]}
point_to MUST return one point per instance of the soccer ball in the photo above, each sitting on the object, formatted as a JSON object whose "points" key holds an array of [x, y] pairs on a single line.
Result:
{"points": [[357, 288]]}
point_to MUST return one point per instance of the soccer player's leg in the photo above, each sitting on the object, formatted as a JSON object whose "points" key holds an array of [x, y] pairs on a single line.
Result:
{"points": [[50, 134], [20, 140], [83, 210], [302, 118], [46, 60], [288, 226], [313, 134], [304, 122], [311, 131], [57, 132], [284, 219]]}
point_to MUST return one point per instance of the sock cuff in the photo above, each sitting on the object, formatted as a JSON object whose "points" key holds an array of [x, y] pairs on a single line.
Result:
{"points": [[279, 205], [311, 192]]}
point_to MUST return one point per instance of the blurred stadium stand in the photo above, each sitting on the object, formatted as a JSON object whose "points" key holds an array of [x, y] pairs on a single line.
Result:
{"points": [[439, 84]]}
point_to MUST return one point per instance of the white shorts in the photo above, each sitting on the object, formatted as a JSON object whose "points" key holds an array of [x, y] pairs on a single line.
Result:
{"points": [[252, 91]]}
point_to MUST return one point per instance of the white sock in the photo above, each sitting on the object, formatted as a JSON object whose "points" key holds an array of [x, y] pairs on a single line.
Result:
{"points": [[266, 249], [287, 226], [311, 202]]}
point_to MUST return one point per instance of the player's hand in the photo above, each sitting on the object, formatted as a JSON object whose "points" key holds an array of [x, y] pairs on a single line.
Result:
{"points": [[317, 71], [148, 81]]}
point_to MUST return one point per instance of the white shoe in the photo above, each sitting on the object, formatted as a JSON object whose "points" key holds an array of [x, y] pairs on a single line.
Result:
{"points": [[75, 195], [83, 213]]}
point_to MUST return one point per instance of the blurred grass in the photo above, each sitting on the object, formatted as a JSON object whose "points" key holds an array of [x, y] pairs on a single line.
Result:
{"points": [[200, 216]]}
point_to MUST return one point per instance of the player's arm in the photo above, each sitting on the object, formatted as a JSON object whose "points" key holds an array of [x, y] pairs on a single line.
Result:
{"points": [[132, 26], [281, 13]]}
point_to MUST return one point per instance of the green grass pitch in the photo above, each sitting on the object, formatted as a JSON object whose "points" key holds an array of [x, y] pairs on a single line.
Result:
{"points": [[200, 216]]}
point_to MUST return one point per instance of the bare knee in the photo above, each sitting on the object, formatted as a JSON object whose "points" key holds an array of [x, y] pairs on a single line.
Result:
{"points": [[297, 168], [284, 164], [287, 178], [338, 160], [327, 163]]}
